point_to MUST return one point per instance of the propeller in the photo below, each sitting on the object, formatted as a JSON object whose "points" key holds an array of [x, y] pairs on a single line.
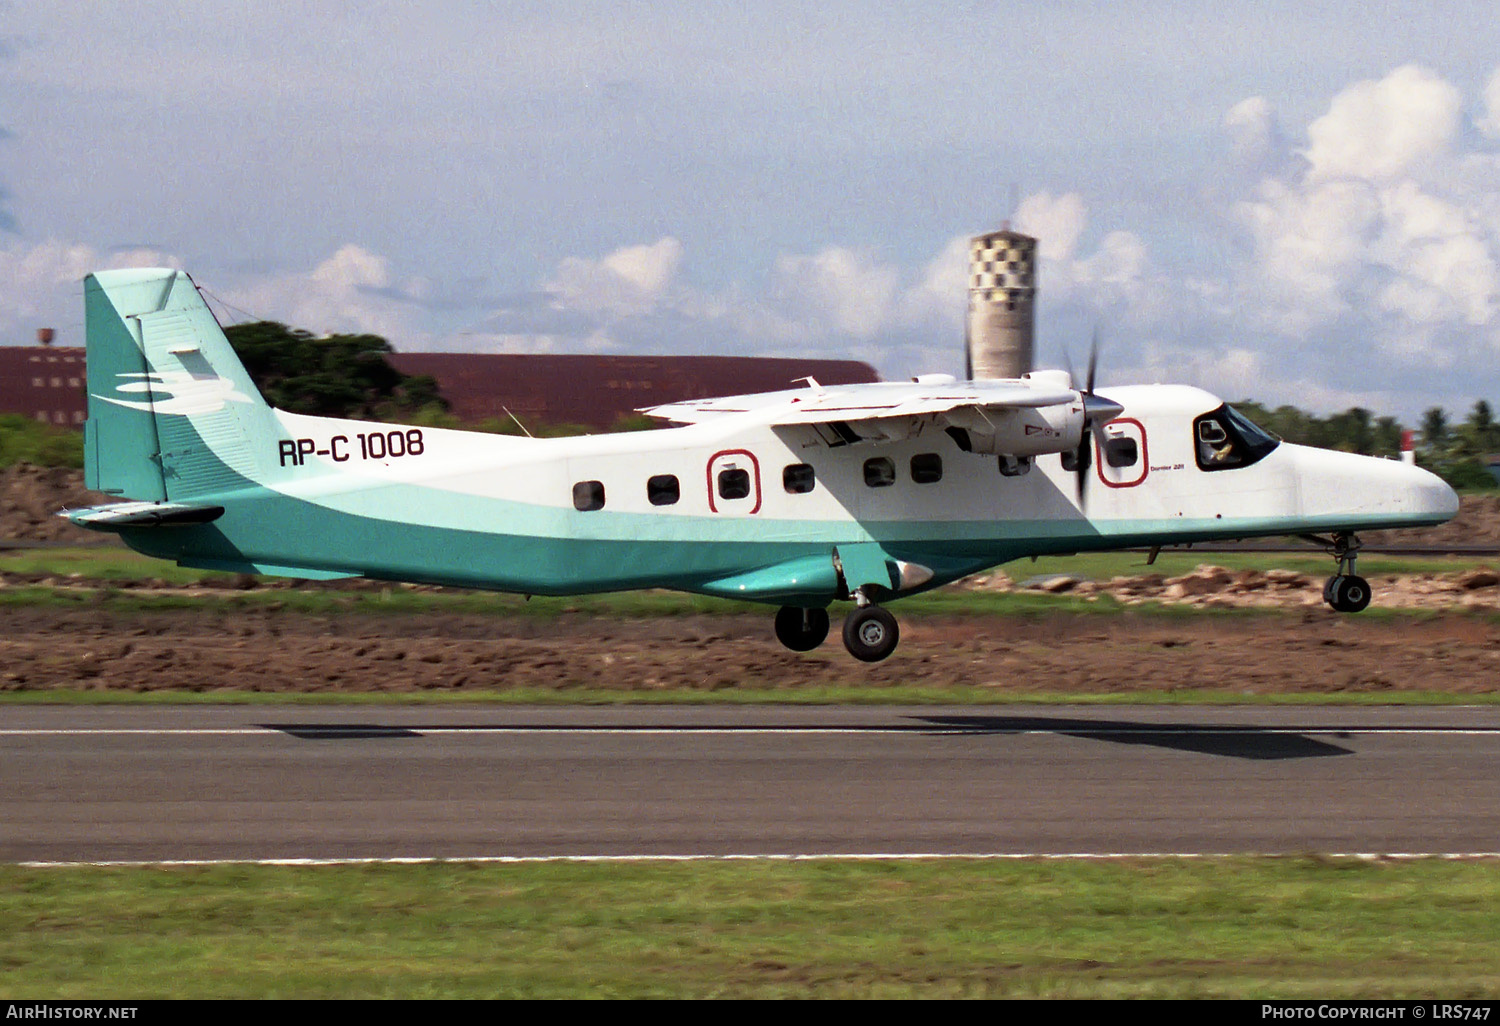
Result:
{"points": [[1097, 411]]}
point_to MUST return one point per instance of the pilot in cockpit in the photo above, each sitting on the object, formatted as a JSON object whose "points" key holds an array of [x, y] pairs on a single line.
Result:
{"points": [[1214, 444]]}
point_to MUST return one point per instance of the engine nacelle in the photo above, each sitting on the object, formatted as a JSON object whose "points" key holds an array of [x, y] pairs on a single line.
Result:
{"points": [[1020, 431]]}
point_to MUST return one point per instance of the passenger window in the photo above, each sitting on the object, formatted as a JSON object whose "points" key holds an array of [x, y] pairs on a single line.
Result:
{"points": [[880, 472], [926, 468], [734, 483], [588, 495], [1121, 452], [663, 490], [798, 478]]}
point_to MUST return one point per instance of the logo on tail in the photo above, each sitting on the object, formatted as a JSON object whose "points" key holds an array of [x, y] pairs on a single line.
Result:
{"points": [[176, 392]]}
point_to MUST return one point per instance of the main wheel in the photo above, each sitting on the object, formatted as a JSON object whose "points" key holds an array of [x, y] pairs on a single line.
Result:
{"points": [[1351, 594], [870, 634], [1328, 587], [799, 629]]}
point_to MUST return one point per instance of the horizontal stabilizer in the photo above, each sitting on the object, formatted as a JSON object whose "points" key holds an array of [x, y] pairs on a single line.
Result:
{"points": [[143, 514]]}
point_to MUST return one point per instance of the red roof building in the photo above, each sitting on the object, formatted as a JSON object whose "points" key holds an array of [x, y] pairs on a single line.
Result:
{"points": [[47, 383]]}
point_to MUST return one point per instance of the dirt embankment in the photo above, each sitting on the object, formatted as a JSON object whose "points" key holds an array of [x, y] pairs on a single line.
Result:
{"points": [[1315, 652], [30, 497]]}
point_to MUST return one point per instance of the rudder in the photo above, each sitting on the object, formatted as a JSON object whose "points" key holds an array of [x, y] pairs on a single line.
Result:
{"points": [[172, 410]]}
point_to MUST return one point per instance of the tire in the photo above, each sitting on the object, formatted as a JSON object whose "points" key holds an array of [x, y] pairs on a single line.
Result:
{"points": [[1328, 589], [870, 634], [1351, 594], [799, 629]]}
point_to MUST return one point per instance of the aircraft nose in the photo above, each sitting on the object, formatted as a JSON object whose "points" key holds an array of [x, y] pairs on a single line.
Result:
{"points": [[1432, 495]]}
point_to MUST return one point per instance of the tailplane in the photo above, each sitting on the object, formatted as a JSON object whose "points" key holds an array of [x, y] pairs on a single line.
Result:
{"points": [[172, 413]]}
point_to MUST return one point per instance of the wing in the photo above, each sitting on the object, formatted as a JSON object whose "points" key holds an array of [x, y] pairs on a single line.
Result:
{"points": [[1020, 417]]}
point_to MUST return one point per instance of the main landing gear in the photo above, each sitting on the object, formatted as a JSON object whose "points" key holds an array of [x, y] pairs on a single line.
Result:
{"points": [[870, 633], [1346, 591]]}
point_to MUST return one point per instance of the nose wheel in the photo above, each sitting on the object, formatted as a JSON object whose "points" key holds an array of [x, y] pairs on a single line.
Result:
{"points": [[1346, 591]]}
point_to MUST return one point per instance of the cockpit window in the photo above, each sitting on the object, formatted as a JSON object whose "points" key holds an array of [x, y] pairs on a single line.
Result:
{"points": [[1225, 440]]}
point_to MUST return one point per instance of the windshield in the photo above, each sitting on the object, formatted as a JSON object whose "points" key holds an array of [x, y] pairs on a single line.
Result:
{"points": [[1226, 439]]}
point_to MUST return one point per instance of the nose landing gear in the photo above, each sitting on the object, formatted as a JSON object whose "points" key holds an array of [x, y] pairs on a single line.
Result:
{"points": [[1346, 591]]}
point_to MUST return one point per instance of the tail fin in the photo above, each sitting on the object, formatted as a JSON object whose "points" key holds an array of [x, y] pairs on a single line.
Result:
{"points": [[171, 409]]}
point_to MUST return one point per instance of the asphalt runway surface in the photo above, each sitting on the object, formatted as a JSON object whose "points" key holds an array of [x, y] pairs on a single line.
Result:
{"points": [[162, 783]]}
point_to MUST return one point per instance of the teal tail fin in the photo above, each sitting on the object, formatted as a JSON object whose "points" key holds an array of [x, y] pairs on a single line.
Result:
{"points": [[172, 414]]}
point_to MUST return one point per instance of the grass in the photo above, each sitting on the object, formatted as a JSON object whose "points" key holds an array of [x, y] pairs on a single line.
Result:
{"points": [[1239, 927]]}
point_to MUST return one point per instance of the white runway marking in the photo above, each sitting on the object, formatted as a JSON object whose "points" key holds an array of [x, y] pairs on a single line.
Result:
{"points": [[850, 857]]}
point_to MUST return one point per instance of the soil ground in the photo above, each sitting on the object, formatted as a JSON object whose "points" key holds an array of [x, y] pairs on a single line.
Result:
{"points": [[1310, 652]]}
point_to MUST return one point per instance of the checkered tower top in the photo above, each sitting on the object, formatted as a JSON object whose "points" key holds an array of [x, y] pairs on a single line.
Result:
{"points": [[1002, 269]]}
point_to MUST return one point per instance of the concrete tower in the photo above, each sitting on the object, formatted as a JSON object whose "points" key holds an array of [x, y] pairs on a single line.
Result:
{"points": [[1002, 304]]}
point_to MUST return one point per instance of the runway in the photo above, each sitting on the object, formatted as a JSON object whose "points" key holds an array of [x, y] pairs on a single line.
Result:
{"points": [[155, 783]]}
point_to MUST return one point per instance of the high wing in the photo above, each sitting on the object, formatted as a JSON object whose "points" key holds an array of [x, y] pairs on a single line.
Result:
{"points": [[1025, 416]]}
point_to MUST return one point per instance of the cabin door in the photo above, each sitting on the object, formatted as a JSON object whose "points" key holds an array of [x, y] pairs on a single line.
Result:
{"points": [[734, 482]]}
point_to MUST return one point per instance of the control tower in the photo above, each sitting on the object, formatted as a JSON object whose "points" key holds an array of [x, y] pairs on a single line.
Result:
{"points": [[1001, 324]]}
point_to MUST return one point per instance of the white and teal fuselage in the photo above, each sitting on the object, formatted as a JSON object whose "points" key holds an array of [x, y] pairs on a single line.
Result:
{"points": [[220, 479]]}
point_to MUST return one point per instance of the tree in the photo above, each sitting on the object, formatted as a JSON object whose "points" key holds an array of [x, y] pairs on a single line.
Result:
{"points": [[336, 376], [1481, 435], [1434, 429]]}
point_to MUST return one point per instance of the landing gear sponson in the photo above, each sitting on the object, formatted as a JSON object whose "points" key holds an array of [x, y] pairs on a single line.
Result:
{"points": [[1345, 591], [870, 632]]}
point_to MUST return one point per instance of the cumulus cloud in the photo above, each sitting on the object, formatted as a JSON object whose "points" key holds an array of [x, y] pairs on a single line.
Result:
{"points": [[630, 281], [1488, 121], [350, 292], [1385, 240], [1381, 129], [41, 284]]}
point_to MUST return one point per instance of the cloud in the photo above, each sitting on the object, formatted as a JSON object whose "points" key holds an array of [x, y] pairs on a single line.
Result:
{"points": [[41, 285], [1385, 240], [630, 281], [1381, 129], [1488, 121], [1056, 221], [350, 292], [845, 291]]}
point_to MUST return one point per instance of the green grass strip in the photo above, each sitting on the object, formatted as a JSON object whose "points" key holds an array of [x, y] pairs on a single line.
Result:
{"points": [[1237, 927]]}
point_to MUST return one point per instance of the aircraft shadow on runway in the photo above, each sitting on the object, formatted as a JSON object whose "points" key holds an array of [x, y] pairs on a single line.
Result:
{"points": [[1237, 742]]}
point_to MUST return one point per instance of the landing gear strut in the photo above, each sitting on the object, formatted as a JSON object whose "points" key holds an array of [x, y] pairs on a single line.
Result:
{"points": [[1346, 591], [799, 629]]}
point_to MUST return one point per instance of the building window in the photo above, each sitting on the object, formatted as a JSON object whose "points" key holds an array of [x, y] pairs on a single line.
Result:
{"points": [[663, 490], [38, 382], [927, 468], [734, 483], [880, 472], [588, 496], [798, 478]]}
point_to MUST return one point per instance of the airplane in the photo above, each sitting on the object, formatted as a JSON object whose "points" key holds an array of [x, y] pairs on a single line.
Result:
{"points": [[798, 498]]}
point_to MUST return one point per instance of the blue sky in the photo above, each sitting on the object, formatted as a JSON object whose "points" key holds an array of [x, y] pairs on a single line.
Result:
{"points": [[1298, 202]]}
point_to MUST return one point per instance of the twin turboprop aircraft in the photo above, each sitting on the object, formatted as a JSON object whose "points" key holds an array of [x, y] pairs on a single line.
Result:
{"points": [[798, 498]]}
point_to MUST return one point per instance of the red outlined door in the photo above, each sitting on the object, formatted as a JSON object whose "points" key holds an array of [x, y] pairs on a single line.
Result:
{"points": [[734, 482], [1121, 458]]}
